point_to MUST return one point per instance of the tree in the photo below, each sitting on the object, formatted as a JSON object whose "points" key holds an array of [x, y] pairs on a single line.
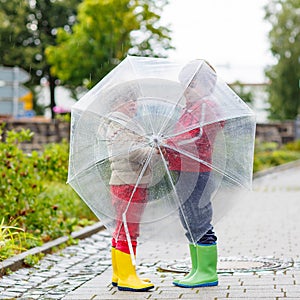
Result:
{"points": [[27, 27], [284, 92], [244, 91], [106, 31]]}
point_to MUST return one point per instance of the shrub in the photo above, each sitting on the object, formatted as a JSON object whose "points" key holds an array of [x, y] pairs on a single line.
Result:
{"points": [[34, 195], [268, 155], [53, 163], [293, 146], [14, 240], [20, 183]]}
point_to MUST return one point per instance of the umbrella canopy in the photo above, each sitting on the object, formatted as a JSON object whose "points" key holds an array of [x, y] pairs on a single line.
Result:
{"points": [[180, 120]]}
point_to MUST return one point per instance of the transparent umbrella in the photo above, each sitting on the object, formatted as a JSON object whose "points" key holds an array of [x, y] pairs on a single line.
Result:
{"points": [[153, 135]]}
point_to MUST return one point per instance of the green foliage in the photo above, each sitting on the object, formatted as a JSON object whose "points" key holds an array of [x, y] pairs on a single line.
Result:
{"points": [[243, 91], [34, 196], [64, 117], [284, 75], [268, 155], [107, 31], [14, 240], [33, 259], [53, 163], [265, 147], [293, 146], [27, 28], [20, 182]]}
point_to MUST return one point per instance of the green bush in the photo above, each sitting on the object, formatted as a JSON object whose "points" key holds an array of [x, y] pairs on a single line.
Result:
{"points": [[53, 162], [34, 195], [265, 147], [14, 240], [20, 182], [268, 155], [293, 146]]}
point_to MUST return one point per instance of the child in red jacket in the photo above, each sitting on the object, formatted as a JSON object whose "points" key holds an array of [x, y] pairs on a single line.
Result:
{"points": [[190, 156]]}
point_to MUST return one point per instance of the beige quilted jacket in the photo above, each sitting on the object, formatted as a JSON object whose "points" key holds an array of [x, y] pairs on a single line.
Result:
{"points": [[128, 151]]}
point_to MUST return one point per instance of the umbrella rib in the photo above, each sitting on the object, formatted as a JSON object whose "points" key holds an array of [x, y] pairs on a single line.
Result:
{"points": [[174, 189], [170, 114], [138, 83], [151, 123], [195, 126], [111, 119], [92, 165], [187, 154], [199, 124], [145, 165]]}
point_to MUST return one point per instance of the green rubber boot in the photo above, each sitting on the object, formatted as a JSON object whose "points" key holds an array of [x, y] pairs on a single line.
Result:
{"points": [[193, 254], [206, 271]]}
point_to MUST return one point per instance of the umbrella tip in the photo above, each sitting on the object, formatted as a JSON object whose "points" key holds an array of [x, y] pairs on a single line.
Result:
{"points": [[154, 139]]}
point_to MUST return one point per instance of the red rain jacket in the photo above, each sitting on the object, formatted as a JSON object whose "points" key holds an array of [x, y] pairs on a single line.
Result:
{"points": [[197, 143]]}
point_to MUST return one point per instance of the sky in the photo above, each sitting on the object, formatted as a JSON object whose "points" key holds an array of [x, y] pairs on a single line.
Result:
{"points": [[230, 34]]}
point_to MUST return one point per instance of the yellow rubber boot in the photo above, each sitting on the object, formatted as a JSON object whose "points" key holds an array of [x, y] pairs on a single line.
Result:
{"points": [[115, 278], [127, 277]]}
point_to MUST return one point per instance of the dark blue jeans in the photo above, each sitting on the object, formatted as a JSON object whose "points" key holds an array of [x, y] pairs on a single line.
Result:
{"points": [[196, 209]]}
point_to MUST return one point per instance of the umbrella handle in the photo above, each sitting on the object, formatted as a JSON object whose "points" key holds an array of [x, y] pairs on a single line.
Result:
{"points": [[128, 239]]}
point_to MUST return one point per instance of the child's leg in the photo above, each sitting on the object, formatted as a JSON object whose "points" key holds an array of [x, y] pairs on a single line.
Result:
{"points": [[135, 200]]}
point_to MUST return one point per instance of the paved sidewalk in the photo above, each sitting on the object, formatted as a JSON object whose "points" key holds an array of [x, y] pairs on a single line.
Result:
{"points": [[262, 230], [259, 256]]}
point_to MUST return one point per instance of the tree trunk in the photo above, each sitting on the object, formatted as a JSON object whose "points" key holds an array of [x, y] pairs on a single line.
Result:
{"points": [[52, 95]]}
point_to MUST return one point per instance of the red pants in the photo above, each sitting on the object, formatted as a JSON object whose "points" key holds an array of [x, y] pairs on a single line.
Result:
{"points": [[125, 199]]}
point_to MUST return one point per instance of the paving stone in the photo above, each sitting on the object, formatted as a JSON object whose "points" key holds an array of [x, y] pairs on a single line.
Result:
{"points": [[30, 296], [10, 295], [6, 297], [246, 298], [293, 294], [54, 295], [83, 271], [255, 293], [7, 282], [17, 289]]}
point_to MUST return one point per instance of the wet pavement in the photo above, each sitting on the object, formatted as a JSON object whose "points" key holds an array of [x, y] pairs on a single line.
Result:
{"points": [[58, 274], [258, 244]]}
